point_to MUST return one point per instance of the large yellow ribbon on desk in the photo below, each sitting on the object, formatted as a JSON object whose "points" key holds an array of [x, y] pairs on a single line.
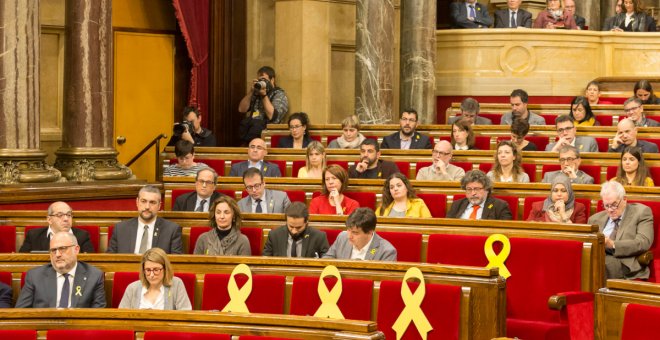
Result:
{"points": [[329, 308], [413, 310], [499, 259], [239, 296]]}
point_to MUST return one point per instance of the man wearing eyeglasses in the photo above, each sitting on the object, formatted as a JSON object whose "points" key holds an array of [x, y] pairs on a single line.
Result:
{"points": [[441, 170], [626, 135], [628, 230], [567, 135], [407, 138], [569, 160], [256, 152], [65, 282], [260, 199], [634, 109], [204, 194], [478, 203], [470, 113], [60, 218]]}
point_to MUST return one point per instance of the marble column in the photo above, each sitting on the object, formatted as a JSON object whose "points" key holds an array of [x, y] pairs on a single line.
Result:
{"points": [[21, 160], [87, 151], [591, 11], [374, 61], [417, 90]]}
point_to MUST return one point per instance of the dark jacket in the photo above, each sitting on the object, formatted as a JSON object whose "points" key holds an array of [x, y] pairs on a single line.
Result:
{"points": [[418, 141], [494, 209], [383, 170], [37, 239], [314, 243], [287, 142], [167, 236], [187, 202]]}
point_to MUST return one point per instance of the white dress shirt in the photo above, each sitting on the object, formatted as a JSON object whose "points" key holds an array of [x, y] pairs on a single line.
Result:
{"points": [[140, 231], [60, 283]]}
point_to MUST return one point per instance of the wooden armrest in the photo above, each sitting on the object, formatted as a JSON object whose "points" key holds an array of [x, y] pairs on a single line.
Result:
{"points": [[557, 302], [646, 258], [561, 300]]}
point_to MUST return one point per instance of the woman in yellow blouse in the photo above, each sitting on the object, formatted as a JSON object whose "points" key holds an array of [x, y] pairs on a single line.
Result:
{"points": [[632, 169], [399, 199]]}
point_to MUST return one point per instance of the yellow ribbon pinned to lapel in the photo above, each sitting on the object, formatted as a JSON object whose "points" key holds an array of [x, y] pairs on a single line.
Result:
{"points": [[499, 259], [413, 310], [78, 291], [239, 296], [329, 308]]}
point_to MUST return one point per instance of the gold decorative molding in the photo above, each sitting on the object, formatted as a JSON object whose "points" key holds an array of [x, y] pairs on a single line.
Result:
{"points": [[91, 164], [26, 166]]}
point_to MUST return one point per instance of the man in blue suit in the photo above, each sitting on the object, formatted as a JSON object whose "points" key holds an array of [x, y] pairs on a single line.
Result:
{"points": [[469, 14]]}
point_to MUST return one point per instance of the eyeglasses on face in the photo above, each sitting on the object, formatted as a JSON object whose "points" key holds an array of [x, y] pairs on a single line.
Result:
{"points": [[567, 159], [61, 249], [477, 189], [631, 109], [205, 183], [562, 130], [253, 187], [436, 152], [154, 271], [295, 127], [61, 215], [612, 206], [257, 147]]}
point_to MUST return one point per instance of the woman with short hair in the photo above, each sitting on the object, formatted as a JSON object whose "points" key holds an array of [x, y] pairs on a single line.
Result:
{"points": [[332, 200], [351, 137]]}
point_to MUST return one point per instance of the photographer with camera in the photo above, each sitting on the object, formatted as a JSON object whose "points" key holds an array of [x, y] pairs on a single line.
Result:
{"points": [[190, 129], [264, 103]]}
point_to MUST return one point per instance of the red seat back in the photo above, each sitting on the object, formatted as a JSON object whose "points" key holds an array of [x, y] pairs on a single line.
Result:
{"points": [[255, 236], [365, 199], [655, 174], [549, 118], [331, 234], [7, 239], [655, 141], [275, 140], [404, 168], [267, 292], [189, 281], [96, 334], [496, 118], [604, 120], [296, 167], [437, 203], [354, 303], [408, 245], [343, 164], [482, 142], [195, 233], [120, 281], [540, 141], [603, 143], [296, 195], [611, 171], [18, 334], [94, 235], [638, 322], [5, 277], [160, 335]]}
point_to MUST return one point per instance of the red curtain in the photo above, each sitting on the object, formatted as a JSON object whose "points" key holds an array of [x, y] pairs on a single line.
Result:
{"points": [[193, 18]]}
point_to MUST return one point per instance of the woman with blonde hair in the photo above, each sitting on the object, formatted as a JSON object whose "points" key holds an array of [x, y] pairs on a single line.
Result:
{"points": [[351, 137], [508, 164], [399, 199], [225, 236], [314, 161], [157, 287]]}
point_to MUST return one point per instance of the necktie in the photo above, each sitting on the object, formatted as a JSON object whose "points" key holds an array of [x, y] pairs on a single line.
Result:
{"points": [[65, 293], [294, 248], [616, 229], [472, 14], [473, 215], [513, 20], [145, 239], [201, 206], [258, 209]]}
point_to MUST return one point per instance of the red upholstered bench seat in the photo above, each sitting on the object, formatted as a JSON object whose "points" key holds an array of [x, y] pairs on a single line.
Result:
{"points": [[640, 322], [96, 334], [267, 292], [18, 334], [354, 303]]}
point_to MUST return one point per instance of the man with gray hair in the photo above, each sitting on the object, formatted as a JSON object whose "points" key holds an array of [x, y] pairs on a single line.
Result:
{"points": [[479, 204], [569, 160], [634, 110], [147, 230], [470, 113], [60, 218], [628, 230], [441, 170], [65, 282], [204, 195]]}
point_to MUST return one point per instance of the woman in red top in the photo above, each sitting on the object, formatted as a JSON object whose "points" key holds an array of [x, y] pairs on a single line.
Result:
{"points": [[332, 200], [560, 206]]}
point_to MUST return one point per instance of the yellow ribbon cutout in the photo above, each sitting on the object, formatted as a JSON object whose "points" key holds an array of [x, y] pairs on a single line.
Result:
{"points": [[78, 291], [499, 259], [329, 308], [239, 296], [413, 310]]}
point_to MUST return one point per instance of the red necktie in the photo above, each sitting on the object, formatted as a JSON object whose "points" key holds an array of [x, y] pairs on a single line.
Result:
{"points": [[475, 209]]}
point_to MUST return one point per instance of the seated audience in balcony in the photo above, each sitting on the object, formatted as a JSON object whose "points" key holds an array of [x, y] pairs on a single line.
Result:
{"points": [[469, 14], [259, 198], [567, 135], [157, 287], [508, 164], [351, 136], [581, 112], [441, 170], [555, 17], [299, 137], [360, 241], [632, 169], [644, 91], [569, 7], [201, 199], [185, 155], [332, 200], [634, 110], [569, 160], [513, 16], [6, 295], [225, 236], [560, 206], [519, 100], [314, 161], [257, 150], [608, 25], [626, 135], [519, 130], [633, 18], [60, 218], [370, 165], [470, 113], [296, 238], [400, 200], [407, 137], [628, 230], [462, 135], [479, 204]]}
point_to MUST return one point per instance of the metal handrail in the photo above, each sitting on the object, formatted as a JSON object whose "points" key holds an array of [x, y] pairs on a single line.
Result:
{"points": [[156, 141]]}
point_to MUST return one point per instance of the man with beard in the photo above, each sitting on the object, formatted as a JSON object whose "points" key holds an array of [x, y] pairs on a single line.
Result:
{"points": [[370, 165], [296, 239], [407, 138], [479, 204], [554, 17], [65, 282], [147, 230], [519, 100]]}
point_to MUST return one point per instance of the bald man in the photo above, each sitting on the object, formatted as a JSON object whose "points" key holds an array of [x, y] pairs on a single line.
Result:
{"points": [[60, 218], [626, 135], [441, 170]]}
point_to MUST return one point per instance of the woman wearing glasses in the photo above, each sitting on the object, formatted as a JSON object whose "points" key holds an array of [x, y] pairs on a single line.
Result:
{"points": [[299, 137], [332, 200], [225, 236], [632, 169], [157, 288], [560, 206]]}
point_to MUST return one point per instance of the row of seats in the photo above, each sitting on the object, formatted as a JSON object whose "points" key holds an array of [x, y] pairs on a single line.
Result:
{"points": [[105, 334]]}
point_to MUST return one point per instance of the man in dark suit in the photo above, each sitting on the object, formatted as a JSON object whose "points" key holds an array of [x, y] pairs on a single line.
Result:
{"points": [[60, 218], [260, 199], [628, 230], [469, 14], [513, 16], [569, 7], [407, 138], [65, 282], [626, 135], [147, 230], [256, 152], [204, 194], [296, 238], [478, 203], [6, 295]]}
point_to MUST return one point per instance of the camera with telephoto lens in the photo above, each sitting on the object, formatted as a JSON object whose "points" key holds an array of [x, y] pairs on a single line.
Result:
{"points": [[180, 128], [263, 83]]}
